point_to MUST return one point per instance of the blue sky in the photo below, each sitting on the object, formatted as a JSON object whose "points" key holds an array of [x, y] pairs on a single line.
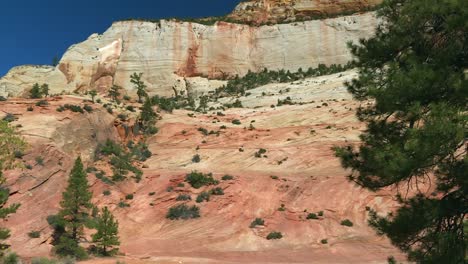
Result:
{"points": [[33, 31]]}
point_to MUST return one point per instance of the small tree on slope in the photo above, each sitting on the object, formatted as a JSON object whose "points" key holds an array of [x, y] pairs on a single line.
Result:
{"points": [[75, 207], [106, 238]]}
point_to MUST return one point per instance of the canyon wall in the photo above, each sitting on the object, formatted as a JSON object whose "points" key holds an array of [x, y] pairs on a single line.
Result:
{"points": [[169, 52]]}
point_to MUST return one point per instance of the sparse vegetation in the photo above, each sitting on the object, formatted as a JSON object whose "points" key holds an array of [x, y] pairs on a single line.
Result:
{"points": [[324, 241]]}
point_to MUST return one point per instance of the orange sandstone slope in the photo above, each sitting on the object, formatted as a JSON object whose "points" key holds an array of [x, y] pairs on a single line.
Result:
{"points": [[298, 141]]}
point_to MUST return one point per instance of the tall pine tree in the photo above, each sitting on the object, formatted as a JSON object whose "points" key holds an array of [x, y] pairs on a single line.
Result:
{"points": [[135, 78], [9, 144], [75, 209], [106, 239], [413, 71]]}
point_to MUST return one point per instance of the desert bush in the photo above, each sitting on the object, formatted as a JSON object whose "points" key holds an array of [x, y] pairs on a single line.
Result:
{"points": [[182, 211], [217, 191], [227, 177], [42, 103], [346, 222], [312, 216], [202, 197], [196, 158], [106, 192], [34, 234], [129, 197], [183, 197], [324, 241], [88, 108], [274, 235], [204, 131], [198, 179], [236, 122], [256, 222]]}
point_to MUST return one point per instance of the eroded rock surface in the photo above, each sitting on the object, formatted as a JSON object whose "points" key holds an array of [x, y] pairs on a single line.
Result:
{"points": [[298, 172]]}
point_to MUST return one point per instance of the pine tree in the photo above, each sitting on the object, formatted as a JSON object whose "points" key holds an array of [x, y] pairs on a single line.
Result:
{"points": [[45, 89], [106, 238], [36, 91], [9, 144], [114, 92], [139, 85], [147, 118], [413, 71], [93, 94], [75, 207], [55, 60]]}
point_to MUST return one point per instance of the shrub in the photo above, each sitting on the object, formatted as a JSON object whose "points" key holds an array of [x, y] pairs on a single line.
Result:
{"points": [[9, 118], [203, 196], [11, 258], [324, 241], [204, 131], [106, 192], [18, 154], [182, 211], [196, 158], [129, 197], [30, 108], [346, 222], [183, 197], [151, 193], [260, 152], [169, 189], [2, 98], [274, 177], [40, 161], [42, 103], [282, 208], [320, 213], [123, 204], [312, 216], [217, 191], [88, 108], [223, 127], [130, 108], [28, 166], [180, 184], [227, 177], [274, 235], [34, 234], [198, 179], [236, 122], [256, 222], [126, 98]]}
